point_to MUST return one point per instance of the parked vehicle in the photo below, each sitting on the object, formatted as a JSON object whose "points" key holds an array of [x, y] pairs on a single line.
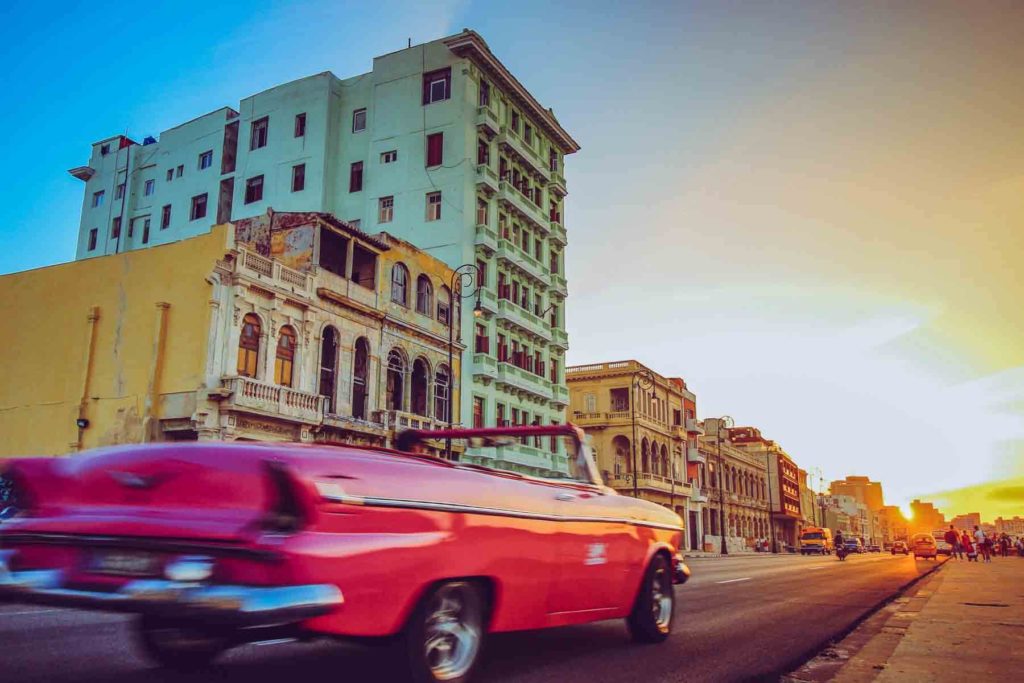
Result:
{"points": [[924, 546], [874, 548], [941, 546], [816, 541], [216, 544], [900, 547]]}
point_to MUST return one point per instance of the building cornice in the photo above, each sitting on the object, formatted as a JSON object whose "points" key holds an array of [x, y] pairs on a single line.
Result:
{"points": [[470, 44]]}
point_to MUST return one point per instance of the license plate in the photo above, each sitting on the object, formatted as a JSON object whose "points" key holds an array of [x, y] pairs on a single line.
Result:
{"points": [[125, 563]]}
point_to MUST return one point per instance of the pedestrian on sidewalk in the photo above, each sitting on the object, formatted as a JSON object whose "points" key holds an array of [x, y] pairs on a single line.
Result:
{"points": [[968, 547], [983, 543], [953, 539]]}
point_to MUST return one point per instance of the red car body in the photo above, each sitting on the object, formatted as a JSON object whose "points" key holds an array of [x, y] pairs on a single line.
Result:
{"points": [[358, 534]]}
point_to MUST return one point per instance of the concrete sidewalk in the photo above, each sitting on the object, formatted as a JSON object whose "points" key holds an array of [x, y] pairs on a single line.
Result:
{"points": [[964, 622]]}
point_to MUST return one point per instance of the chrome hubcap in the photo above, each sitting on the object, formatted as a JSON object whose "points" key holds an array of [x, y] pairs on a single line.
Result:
{"points": [[662, 598], [453, 631]]}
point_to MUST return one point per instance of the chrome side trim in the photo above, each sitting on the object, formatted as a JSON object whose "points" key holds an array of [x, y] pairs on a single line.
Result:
{"points": [[434, 506], [169, 545]]}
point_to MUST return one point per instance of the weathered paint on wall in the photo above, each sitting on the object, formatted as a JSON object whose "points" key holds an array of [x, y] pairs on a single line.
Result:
{"points": [[82, 342]]}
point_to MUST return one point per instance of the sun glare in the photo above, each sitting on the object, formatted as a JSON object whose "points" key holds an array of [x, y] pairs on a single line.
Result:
{"points": [[908, 513]]}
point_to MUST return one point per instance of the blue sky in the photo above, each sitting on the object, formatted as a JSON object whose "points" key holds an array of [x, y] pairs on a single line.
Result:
{"points": [[811, 212]]}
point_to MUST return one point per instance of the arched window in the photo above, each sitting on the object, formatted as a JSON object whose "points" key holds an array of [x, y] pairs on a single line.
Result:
{"points": [[400, 284], [665, 469], [645, 456], [442, 394], [424, 296], [396, 381], [444, 306], [418, 387], [620, 445], [284, 364], [249, 345], [328, 368], [360, 369]]}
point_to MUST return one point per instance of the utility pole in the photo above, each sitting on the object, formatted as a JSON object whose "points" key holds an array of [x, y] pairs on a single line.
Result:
{"points": [[720, 425]]}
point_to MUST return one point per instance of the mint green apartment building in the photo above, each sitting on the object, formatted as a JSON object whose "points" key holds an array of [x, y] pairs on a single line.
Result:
{"points": [[439, 145]]}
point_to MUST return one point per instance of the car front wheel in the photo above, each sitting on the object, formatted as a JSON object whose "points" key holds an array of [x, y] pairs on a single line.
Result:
{"points": [[179, 645], [445, 635], [651, 618]]}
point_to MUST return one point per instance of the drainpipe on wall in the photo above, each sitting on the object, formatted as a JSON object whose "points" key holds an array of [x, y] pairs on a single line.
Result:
{"points": [[151, 410], [83, 403]]}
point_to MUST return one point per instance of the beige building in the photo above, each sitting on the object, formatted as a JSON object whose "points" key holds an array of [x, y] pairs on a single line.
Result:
{"points": [[643, 429], [862, 489], [736, 485], [1013, 527]]}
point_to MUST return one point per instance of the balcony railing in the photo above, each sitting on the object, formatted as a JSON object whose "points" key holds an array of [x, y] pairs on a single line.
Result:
{"points": [[399, 419], [648, 480], [488, 300], [559, 284], [558, 234], [487, 178], [693, 427], [272, 274], [485, 367], [508, 139], [274, 399], [560, 394], [556, 183], [524, 319], [694, 455], [559, 338], [523, 380], [487, 120], [485, 237], [522, 261], [515, 199]]}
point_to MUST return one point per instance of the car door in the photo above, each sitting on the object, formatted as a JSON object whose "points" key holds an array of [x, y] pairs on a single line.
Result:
{"points": [[594, 544]]}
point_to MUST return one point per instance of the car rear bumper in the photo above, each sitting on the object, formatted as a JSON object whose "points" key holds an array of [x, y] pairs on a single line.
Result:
{"points": [[210, 602]]}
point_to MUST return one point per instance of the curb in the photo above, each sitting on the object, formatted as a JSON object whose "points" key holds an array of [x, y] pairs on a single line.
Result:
{"points": [[783, 674]]}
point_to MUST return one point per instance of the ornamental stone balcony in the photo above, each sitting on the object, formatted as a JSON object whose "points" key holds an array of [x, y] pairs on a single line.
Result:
{"points": [[524, 381], [486, 238], [560, 394], [559, 285], [693, 427], [526, 321], [485, 368], [399, 420], [558, 235], [559, 338], [522, 261], [508, 140], [486, 179], [694, 455], [650, 481], [249, 394], [487, 121], [488, 301], [516, 201], [272, 274], [556, 183]]}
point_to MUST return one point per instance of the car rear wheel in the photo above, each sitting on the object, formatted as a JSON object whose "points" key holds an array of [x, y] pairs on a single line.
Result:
{"points": [[651, 618], [445, 635], [179, 645]]}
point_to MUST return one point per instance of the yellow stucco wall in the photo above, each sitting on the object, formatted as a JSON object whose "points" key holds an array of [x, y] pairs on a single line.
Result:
{"points": [[45, 314]]}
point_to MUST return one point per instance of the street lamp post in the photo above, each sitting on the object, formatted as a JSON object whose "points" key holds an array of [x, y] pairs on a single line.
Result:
{"points": [[642, 378], [771, 516], [467, 272], [725, 419]]}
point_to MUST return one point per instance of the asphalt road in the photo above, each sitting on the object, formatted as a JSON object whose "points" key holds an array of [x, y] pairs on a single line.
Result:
{"points": [[739, 618]]}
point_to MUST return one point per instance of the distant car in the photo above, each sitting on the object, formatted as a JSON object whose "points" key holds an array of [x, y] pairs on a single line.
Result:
{"points": [[216, 544], [924, 546], [900, 547], [853, 545], [874, 548]]}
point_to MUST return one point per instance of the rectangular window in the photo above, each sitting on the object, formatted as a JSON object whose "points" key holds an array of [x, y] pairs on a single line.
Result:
{"points": [[150, 188], [258, 134], [435, 149], [298, 178], [478, 412], [254, 189], [499, 414], [300, 125], [115, 228], [433, 206], [515, 120], [358, 120], [170, 174], [206, 159], [145, 228], [119, 191], [482, 341], [97, 198], [481, 211], [165, 217], [485, 93], [553, 161], [92, 238], [389, 157], [437, 85], [181, 171], [355, 177], [554, 262], [483, 153], [386, 210], [528, 134], [538, 250], [481, 273], [198, 207]]}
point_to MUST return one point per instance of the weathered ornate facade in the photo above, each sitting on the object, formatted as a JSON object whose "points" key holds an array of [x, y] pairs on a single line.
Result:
{"points": [[737, 480], [320, 332]]}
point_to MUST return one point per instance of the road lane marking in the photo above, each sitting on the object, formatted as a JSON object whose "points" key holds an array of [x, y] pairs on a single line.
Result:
{"points": [[734, 580], [34, 611], [820, 566]]}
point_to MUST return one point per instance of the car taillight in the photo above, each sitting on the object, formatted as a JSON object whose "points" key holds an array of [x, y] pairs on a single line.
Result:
{"points": [[290, 508]]}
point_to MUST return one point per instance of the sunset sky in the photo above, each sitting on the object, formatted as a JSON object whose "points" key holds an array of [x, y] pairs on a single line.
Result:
{"points": [[813, 212]]}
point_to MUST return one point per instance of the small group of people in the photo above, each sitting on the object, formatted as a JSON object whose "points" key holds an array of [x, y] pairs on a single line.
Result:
{"points": [[761, 545], [970, 546]]}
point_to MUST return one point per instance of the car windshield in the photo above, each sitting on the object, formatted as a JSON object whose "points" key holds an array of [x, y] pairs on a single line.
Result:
{"points": [[813, 536]]}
